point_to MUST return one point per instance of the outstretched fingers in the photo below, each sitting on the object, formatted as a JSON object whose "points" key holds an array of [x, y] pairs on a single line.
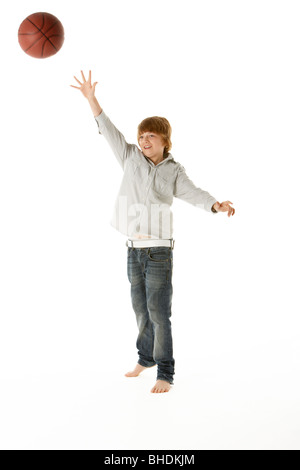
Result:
{"points": [[83, 76], [77, 80], [73, 86]]}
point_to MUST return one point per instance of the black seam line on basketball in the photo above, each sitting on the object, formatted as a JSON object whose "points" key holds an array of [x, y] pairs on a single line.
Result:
{"points": [[36, 32], [29, 34], [39, 29], [43, 46], [46, 38], [44, 34]]}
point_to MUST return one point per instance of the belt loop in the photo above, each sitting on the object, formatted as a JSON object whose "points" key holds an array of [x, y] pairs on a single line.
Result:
{"points": [[173, 243], [127, 243]]}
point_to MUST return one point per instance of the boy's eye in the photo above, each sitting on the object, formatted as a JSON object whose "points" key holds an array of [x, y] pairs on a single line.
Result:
{"points": [[150, 135]]}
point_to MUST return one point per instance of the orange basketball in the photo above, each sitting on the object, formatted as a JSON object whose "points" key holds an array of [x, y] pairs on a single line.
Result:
{"points": [[41, 35]]}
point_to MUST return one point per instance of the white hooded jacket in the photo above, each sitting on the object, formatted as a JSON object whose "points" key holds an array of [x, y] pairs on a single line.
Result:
{"points": [[143, 205]]}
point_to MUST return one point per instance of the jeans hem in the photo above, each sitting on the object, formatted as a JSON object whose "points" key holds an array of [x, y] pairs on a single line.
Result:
{"points": [[166, 379], [146, 363]]}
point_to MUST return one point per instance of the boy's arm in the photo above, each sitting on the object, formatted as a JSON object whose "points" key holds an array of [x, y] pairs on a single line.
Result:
{"points": [[185, 189], [114, 137], [95, 106]]}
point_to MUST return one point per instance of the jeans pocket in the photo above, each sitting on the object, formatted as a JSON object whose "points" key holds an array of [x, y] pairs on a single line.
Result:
{"points": [[159, 254]]}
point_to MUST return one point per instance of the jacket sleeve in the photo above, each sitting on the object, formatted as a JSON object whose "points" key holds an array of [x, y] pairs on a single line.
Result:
{"points": [[185, 189], [115, 139]]}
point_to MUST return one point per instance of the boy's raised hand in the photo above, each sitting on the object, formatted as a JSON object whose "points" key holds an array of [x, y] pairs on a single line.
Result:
{"points": [[86, 88]]}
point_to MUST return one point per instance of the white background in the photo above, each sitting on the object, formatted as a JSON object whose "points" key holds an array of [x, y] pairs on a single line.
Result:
{"points": [[226, 75]]}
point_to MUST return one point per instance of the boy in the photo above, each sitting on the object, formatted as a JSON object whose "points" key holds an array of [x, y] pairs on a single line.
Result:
{"points": [[142, 212]]}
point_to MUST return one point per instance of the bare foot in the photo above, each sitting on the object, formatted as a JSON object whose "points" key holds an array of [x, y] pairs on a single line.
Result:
{"points": [[161, 386], [136, 371]]}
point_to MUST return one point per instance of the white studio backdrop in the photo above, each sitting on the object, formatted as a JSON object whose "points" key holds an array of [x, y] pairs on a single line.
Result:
{"points": [[226, 76]]}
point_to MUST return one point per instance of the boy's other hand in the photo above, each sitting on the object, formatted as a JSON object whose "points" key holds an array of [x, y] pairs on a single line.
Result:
{"points": [[224, 207], [86, 88]]}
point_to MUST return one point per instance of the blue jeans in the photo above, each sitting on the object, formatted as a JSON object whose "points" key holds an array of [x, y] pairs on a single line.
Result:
{"points": [[150, 275]]}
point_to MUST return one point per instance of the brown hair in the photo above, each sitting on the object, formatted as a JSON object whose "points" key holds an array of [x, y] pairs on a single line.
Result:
{"points": [[159, 125]]}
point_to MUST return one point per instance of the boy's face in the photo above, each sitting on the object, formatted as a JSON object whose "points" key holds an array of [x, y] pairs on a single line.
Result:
{"points": [[152, 145]]}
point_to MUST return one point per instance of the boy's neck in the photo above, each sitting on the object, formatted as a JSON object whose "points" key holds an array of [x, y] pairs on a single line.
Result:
{"points": [[156, 160]]}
